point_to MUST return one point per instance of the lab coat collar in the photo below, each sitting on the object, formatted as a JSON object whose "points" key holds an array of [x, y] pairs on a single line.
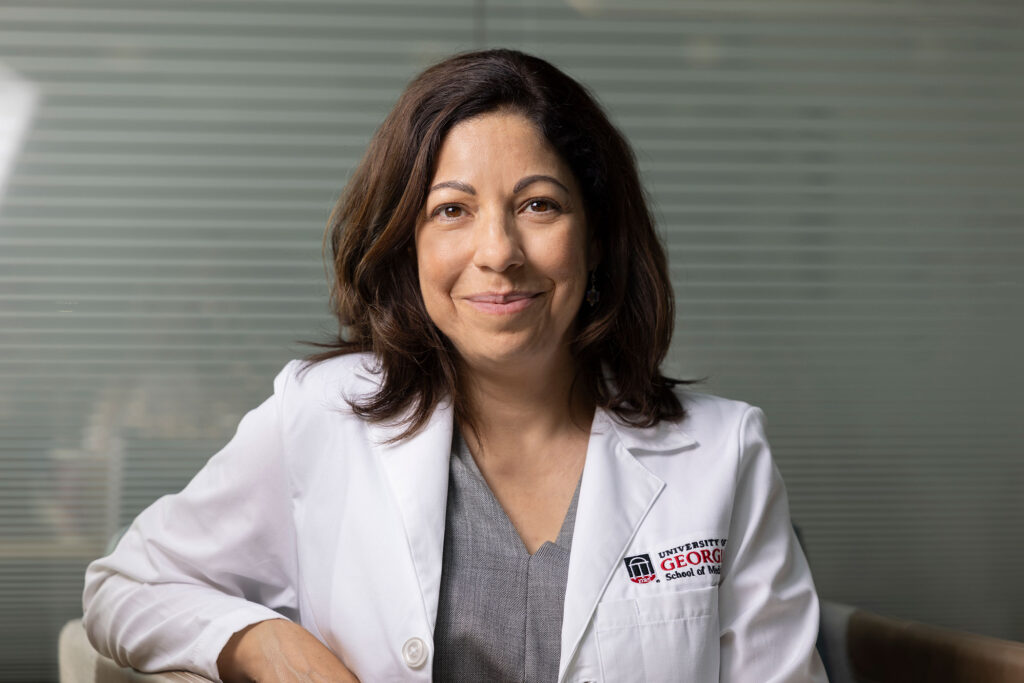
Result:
{"points": [[616, 493], [665, 437]]}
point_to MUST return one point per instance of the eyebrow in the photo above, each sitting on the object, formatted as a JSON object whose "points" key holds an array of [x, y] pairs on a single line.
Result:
{"points": [[523, 182]]}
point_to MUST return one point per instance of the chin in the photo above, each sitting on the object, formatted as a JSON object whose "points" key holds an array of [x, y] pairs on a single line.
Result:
{"points": [[525, 354]]}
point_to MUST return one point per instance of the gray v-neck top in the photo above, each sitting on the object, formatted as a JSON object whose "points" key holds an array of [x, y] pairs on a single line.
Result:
{"points": [[499, 615]]}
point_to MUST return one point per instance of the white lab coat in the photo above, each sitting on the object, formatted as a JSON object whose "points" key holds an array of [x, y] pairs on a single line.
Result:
{"points": [[305, 513]]}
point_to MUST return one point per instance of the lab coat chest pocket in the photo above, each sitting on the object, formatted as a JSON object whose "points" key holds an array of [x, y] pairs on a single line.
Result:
{"points": [[666, 637]]}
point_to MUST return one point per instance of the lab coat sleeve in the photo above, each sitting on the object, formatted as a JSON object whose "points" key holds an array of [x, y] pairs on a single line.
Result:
{"points": [[768, 608], [197, 566]]}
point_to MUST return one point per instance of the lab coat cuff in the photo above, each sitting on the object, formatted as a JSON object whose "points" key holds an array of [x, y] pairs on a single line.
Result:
{"points": [[213, 638]]}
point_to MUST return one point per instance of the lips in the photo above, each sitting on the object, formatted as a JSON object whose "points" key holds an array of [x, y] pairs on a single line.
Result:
{"points": [[494, 298], [502, 302]]}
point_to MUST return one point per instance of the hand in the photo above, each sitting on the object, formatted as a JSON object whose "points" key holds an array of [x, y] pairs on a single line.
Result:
{"points": [[279, 651]]}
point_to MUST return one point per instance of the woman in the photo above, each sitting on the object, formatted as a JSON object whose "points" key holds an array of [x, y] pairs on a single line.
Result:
{"points": [[486, 476]]}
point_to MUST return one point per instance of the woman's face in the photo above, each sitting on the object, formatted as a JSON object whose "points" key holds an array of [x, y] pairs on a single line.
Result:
{"points": [[501, 244]]}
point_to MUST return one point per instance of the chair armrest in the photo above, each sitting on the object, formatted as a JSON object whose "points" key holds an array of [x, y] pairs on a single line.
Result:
{"points": [[80, 663], [832, 641], [886, 650]]}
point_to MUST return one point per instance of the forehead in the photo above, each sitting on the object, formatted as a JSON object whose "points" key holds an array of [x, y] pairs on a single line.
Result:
{"points": [[497, 143]]}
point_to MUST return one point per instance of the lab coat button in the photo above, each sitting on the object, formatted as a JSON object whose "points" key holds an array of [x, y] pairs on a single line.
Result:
{"points": [[414, 652]]}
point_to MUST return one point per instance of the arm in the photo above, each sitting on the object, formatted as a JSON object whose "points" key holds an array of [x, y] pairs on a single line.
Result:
{"points": [[197, 567], [768, 607], [282, 651]]}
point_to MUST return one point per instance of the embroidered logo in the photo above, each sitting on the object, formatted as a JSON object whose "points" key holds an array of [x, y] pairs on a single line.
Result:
{"points": [[689, 560], [640, 568]]}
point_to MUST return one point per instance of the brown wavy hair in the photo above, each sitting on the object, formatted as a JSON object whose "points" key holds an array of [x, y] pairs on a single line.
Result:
{"points": [[619, 343]]}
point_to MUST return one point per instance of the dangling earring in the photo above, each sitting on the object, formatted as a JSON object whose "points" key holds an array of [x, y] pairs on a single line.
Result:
{"points": [[593, 296]]}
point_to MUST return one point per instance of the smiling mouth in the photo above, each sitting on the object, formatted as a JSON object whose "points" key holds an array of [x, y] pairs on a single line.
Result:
{"points": [[512, 302]]}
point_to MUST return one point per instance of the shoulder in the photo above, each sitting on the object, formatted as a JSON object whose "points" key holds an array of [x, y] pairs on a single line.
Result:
{"points": [[728, 433], [329, 384], [709, 418], [342, 371], [712, 425]]}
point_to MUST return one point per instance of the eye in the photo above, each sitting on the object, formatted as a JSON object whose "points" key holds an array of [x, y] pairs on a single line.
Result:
{"points": [[449, 211], [542, 206]]}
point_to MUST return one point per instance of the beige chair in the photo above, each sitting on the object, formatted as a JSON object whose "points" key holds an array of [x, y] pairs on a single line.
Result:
{"points": [[80, 663], [861, 647]]}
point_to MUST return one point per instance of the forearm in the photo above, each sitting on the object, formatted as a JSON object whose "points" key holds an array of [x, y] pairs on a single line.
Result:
{"points": [[279, 650]]}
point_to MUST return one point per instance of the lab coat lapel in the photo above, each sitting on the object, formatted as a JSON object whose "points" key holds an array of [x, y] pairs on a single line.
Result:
{"points": [[417, 472], [616, 494]]}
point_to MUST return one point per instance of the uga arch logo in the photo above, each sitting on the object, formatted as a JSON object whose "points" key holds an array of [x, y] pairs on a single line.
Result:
{"points": [[640, 568]]}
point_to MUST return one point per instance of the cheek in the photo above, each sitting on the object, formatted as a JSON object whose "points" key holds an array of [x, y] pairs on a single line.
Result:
{"points": [[567, 263], [437, 265]]}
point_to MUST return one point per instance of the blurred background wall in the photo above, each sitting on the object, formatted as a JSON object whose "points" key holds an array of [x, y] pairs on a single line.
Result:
{"points": [[838, 183]]}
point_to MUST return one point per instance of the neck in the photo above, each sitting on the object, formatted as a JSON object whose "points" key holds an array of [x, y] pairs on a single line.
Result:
{"points": [[524, 406]]}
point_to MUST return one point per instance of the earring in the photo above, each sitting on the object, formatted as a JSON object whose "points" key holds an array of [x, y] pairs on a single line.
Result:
{"points": [[593, 296]]}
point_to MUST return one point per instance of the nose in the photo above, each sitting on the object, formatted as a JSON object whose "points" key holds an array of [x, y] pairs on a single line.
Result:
{"points": [[496, 242]]}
